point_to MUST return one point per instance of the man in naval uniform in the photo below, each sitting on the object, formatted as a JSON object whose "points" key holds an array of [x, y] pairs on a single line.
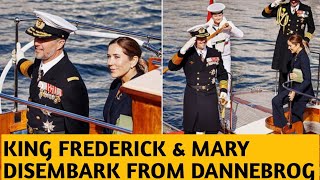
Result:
{"points": [[221, 42], [202, 66], [55, 82], [293, 17]]}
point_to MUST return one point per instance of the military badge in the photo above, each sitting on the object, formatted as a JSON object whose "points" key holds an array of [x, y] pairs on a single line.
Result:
{"points": [[40, 24], [191, 62], [212, 60], [46, 112], [302, 14], [50, 91], [213, 81], [212, 72], [48, 126]]}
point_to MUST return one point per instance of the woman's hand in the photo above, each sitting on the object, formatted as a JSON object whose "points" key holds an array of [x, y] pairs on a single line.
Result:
{"points": [[291, 95], [293, 76]]}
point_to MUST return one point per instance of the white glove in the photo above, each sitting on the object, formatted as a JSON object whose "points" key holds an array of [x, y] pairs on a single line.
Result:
{"points": [[20, 53], [223, 95], [223, 98], [276, 3], [188, 45]]}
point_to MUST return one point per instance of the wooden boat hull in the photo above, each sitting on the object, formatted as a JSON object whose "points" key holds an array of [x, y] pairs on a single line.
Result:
{"points": [[310, 125]]}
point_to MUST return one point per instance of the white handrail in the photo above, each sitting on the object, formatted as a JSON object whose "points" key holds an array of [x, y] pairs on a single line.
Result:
{"points": [[8, 67]]}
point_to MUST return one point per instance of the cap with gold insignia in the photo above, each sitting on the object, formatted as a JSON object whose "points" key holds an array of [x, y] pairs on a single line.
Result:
{"points": [[216, 8], [199, 30], [50, 26]]}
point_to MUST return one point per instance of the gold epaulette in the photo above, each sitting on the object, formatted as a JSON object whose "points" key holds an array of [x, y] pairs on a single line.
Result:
{"points": [[267, 10], [223, 84], [176, 59], [24, 67], [308, 35], [73, 78]]}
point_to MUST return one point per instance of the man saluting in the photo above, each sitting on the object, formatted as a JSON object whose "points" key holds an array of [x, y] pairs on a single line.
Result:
{"points": [[202, 67], [55, 82], [293, 17]]}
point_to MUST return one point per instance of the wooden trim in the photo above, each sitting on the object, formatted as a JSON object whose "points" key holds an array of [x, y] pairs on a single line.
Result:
{"points": [[146, 117], [142, 95], [94, 129], [152, 65]]}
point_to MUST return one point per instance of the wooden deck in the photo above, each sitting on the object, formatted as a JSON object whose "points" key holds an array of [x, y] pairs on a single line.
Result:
{"points": [[250, 110]]}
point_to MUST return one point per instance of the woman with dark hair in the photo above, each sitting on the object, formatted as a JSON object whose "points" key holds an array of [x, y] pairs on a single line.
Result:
{"points": [[300, 69], [125, 63]]}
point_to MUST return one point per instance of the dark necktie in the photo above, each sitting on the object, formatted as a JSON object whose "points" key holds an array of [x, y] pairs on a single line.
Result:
{"points": [[40, 75], [201, 56]]}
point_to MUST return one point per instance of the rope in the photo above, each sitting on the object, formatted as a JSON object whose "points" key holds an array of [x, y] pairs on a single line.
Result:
{"points": [[282, 17]]}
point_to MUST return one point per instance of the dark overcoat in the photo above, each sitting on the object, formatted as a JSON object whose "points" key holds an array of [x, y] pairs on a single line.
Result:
{"points": [[200, 109]]}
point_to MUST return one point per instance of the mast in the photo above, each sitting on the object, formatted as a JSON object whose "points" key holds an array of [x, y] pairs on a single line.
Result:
{"points": [[209, 14], [16, 20]]}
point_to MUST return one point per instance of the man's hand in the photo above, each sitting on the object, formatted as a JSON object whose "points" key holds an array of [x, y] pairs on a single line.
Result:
{"points": [[222, 98], [291, 95], [188, 45], [20, 53], [276, 3]]}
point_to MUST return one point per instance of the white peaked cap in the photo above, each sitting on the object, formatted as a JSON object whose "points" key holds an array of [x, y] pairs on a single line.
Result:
{"points": [[197, 27], [216, 7], [55, 21]]}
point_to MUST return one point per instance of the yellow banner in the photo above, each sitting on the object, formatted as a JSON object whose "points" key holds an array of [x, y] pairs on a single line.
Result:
{"points": [[160, 156]]}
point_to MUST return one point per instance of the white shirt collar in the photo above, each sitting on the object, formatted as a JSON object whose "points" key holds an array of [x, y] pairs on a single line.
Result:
{"points": [[203, 52], [46, 67], [293, 9]]}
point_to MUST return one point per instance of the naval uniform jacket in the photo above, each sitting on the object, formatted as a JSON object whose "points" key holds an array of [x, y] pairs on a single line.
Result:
{"points": [[117, 105], [296, 24], [200, 108], [61, 87]]}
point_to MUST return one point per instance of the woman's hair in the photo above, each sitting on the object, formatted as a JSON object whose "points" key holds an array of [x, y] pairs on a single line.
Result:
{"points": [[296, 39], [130, 48]]}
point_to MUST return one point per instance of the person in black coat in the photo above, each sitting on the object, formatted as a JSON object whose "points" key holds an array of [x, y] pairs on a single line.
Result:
{"points": [[202, 66], [55, 81], [301, 62], [293, 18], [125, 63]]}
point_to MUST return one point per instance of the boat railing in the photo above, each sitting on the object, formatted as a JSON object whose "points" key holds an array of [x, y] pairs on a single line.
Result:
{"points": [[286, 86], [318, 78], [96, 122]]}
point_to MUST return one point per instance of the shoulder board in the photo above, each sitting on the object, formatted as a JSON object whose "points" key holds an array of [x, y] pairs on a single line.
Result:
{"points": [[73, 78], [24, 67]]}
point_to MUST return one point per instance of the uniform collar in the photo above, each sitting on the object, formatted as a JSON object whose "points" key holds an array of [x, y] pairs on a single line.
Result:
{"points": [[294, 9], [46, 67], [203, 52]]}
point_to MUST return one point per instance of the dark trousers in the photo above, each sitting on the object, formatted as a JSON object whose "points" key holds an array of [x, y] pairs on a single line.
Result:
{"points": [[282, 78], [297, 109]]}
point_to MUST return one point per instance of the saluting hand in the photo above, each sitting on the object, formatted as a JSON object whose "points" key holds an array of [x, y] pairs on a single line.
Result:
{"points": [[20, 53], [277, 3], [188, 45], [291, 95]]}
